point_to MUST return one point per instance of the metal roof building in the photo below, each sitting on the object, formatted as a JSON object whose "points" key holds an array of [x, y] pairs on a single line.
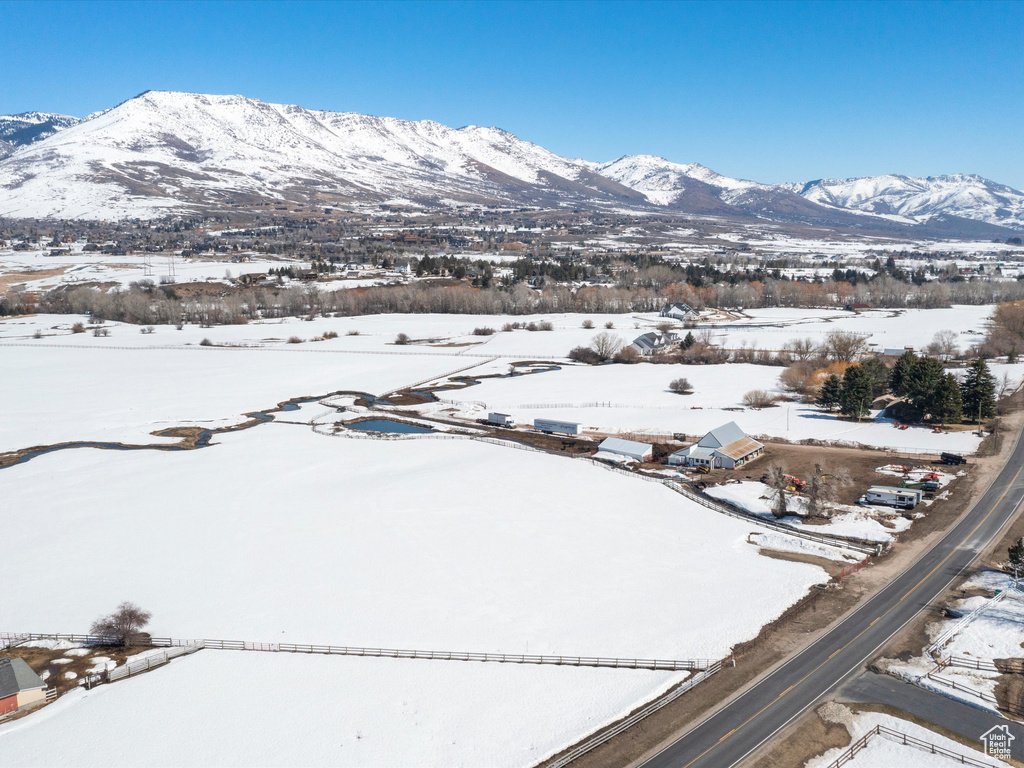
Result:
{"points": [[19, 685], [726, 446], [631, 449]]}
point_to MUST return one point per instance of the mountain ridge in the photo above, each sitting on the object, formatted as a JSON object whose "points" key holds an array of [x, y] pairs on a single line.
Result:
{"points": [[165, 152]]}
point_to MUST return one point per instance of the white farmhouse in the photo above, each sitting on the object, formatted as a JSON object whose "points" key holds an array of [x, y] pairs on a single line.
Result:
{"points": [[682, 312], [649, 343], [727, 447]]}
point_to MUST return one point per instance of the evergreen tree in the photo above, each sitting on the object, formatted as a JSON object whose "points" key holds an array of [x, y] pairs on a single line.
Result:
{"points": [[689, 341], [1016, 553], [899, 376], [947, 406], [831, 393], [855, 400], [1011, 356], [925, 377], [979, 391], [878, 373]]}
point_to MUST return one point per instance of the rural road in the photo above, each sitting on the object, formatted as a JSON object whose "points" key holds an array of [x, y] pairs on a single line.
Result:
{"points": [[750, 719]]}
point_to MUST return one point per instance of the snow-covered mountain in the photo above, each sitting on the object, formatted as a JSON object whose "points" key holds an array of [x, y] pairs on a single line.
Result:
{"points": [[164, 151], [28, 127], [965, 195], [167, 152]]}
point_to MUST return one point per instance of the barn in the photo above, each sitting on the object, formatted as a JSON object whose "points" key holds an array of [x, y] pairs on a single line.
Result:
{"points": [[629, 449], [727, 446], [19, 686]]}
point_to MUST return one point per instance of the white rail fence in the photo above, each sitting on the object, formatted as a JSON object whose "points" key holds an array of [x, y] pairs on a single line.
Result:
{"points": [[183, 646], [607, 735], [948, 634], [902, 738]]}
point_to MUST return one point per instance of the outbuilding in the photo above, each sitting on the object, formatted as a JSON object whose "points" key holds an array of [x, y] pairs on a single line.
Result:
{"points": [[19, 686], [630, 449], [726, 447]]}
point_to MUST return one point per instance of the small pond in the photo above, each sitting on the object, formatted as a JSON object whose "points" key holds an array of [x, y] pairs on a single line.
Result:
{"points": [[387, 425]]}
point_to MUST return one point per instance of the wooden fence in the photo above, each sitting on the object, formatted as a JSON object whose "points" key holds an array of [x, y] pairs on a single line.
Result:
{"points": [[610, 733], [182, 646], [907, 740]]}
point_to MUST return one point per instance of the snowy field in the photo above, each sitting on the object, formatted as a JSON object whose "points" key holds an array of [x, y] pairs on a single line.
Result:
{"points": [[636, 399], [882, 752], [280, 534], [390, 549], [336, 711]]}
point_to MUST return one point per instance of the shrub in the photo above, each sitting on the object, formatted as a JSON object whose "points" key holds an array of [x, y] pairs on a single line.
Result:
{"points": [[609, 324], [798, 378], [38, 334], [681, 387], [78, 328], [402, 339], [585, 355], [352, 333], [588, 324], [294, 340], [483, 331], [760, 398], [330, 334], [531, 326], [508, 327], [100, 331], [206, 343], [546, 325], [628, 355], [147, 329]]}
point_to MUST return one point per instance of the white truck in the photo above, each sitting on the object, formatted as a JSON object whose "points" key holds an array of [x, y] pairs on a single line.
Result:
{"points": [[901, 498], [550, 426], [501, 420]]}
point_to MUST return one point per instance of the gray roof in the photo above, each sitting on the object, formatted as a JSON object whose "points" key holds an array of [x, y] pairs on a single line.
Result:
{"points": [[722, 436], [15, 676], [695, 452], [618, 445]]}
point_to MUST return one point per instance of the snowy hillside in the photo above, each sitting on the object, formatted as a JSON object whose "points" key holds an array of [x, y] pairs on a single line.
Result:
{"points": [[29, 127], [165, 151], [177, 151], [966, 195]]}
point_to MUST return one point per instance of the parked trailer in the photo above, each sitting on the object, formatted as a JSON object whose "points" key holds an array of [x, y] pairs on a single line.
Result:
{"points": [[549, 426], [952, 458], [501, 420], [901, 498]]}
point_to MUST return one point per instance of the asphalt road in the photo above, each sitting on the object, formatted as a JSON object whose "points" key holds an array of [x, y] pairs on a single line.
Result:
{"points": [[745, 723], [970, 722]]}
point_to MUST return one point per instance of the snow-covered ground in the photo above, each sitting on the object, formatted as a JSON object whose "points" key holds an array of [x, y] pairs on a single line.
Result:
{"points": [[886, 752], [389, 543], [636, 399], [280, 534], [867, 523], [231, 708], [995, 632]]}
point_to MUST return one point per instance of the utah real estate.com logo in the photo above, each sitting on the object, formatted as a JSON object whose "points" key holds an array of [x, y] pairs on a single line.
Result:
{"points": [[997, 742]]}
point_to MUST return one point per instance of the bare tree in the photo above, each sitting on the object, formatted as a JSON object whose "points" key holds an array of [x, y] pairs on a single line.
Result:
{"points": [[844, 345], [759, 398], [681, 387], [665, 327], [822, 490], [124, 624], [402, 339], [801, 349], [606, 344], [588, 323], [943, 345], [705, 337], [777, 476]]}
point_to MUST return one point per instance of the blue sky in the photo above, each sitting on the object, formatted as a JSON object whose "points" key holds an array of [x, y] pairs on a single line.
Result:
{"points": [[779, 91]]}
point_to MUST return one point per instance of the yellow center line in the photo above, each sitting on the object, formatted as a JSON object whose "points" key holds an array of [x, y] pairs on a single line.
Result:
{"points": [[858, 635]]}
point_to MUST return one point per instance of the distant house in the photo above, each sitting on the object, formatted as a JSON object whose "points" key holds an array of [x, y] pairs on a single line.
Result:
{"points": [[727, 447], [19, 686], [655, 341], [857, 307], [891, 355], [683, 312], [252, 278], [630, 449]]}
